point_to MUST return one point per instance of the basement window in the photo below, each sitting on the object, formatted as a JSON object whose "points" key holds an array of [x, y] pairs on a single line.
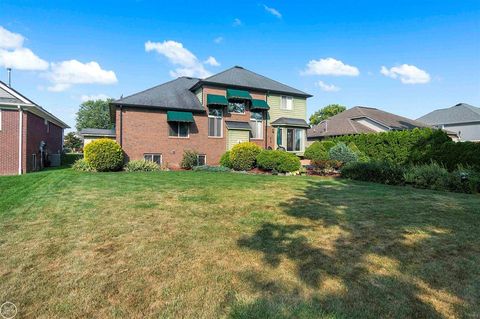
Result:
{"points": [[201, 159], [156, 158]]}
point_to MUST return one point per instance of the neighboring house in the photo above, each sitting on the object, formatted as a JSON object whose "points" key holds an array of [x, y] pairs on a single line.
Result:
{"points": [[210, 116], [30, 136], [463, 119], [358, 120], [91, 134]]}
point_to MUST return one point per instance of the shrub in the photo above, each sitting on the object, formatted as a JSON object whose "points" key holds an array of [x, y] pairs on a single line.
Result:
{"points": [[81, 165], [104, 155], [277, 160], [464, 180], [318, 151], [70, 158], [225, 160], [432, 176], [243, 156], [377, 172], [326, 166], [392, 146], [361, 156], [141, 166], [189, 160], [341, 152], [207, 168]]}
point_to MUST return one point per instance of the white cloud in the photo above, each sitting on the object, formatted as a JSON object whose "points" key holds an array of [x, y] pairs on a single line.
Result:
{"points": [[10, 40], [408, 74], [22, 59], [211, 61], [67, 73], [218, 40], [100, 96], [330, 66], [273, 11], [237, 22], [177, 54], [327, 87]]}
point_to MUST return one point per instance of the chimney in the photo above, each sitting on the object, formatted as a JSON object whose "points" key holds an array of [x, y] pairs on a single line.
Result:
{"points": [[9, 70]]}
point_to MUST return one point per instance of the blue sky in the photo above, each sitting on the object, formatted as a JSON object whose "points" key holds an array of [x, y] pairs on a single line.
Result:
{"points": [[63, 51]]}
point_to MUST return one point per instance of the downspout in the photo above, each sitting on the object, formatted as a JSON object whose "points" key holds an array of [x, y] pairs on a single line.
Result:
{"points": [[266, 123], [121, 126], [20, 138]]}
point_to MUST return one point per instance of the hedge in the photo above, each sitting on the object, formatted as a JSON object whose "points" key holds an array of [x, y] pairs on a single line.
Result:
{"points": [[104, 155], [243, 156], [279, 161]]}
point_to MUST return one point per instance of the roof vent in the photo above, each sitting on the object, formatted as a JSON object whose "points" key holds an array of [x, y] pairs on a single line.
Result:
{"points": [[458, 104], [238, 67]]}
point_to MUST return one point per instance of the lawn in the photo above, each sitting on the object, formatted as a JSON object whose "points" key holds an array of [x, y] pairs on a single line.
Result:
{"points": [[207, 245]]}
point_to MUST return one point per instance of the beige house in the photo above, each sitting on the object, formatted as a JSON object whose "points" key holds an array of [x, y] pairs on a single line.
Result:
{"points": [[91, 134]]}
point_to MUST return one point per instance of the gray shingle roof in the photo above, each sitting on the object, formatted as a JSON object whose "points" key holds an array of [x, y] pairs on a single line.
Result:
{"points": [[286, 121], [345, 123], [460, 113], [243, 78], [236, 125], [175, 94], [97, 132]]}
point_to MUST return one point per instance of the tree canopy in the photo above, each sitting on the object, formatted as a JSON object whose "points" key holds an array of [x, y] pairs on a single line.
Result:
{"points": [[94, 114], [72, 142], [326, 112]]}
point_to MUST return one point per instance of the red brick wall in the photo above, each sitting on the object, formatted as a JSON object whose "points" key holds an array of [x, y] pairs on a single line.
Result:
{"points": [[146, 131], [36, 131], [9, 142]]}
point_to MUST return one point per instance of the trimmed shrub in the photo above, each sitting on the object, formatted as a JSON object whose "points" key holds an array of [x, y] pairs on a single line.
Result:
{"points": [[70, 158], [243, 156], [225, 160], [392, 146], [361, 156], [104, 155], [207, 168], [377, 172], [141, 166], [318, 151], [189, 160], [279, 161], [431, 176], [81, 165], [341, 152]]}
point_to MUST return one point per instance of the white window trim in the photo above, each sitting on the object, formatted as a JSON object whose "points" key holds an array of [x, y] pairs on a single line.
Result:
{"points": [[287, 98], [302, 141], [221, 125], [256, 121], [205, 155], [178, 128], [151, 155]]}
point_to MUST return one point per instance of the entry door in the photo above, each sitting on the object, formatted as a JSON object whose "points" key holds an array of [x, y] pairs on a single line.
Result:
{"points": [[290, 139]]}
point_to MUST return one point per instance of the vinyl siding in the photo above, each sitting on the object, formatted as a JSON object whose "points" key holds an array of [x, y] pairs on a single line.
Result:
{"points": [[237, 136], [299, 110], [199, 94]]}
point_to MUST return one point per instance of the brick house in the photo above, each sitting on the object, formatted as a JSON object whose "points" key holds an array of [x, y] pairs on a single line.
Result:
{"points": [[210, 116], [30, 136]]}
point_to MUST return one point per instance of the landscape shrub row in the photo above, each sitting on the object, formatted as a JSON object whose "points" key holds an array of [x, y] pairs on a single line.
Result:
{"points": [[430, 176], [70, 158]]}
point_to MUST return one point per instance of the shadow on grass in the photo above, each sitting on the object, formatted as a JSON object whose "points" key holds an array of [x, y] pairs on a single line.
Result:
{"points": [[390, 252]]}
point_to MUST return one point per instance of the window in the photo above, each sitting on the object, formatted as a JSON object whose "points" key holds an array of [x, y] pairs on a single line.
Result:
{"points": [[34, 162], [156, 158], [256, 120], [201, 159], [179, 129], [236, 107], [294, 140], [286, 103], [215, 122]]}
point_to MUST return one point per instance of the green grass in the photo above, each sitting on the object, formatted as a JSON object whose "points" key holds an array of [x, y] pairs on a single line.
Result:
{"points": [[207, 245]]}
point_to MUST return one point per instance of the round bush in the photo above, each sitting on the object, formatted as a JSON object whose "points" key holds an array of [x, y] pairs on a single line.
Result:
{"points": [[341, 152], [141, 166], [104, 155], [189, 160], [316, 152], [243, 156], [225, 160], [279, 161]]}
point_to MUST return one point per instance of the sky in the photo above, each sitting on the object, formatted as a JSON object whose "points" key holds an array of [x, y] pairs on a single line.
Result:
{"points": [[404, 57]]}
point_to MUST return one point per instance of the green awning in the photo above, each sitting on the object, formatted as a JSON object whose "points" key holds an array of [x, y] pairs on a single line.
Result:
{"points": [[173, 116], [238, 95], [259, 105], [219, 100]]}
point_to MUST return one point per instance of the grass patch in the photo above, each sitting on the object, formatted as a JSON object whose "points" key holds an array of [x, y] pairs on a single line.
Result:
{"points": [[204, 245]]}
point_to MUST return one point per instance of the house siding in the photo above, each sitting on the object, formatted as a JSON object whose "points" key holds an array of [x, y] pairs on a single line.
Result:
{"points": [[237, 136], [299, 110], [468, 131]]}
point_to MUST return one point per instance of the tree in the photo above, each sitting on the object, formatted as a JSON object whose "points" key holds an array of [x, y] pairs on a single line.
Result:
{"points": [[94, 114], [326, 112], [72, 142]]}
